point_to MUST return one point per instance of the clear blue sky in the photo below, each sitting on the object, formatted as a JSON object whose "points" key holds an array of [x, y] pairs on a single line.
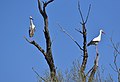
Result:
{"points": [[17, 57]]}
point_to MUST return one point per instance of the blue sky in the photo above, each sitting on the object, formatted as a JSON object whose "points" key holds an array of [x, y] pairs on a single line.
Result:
{"points": [[17, 57]]}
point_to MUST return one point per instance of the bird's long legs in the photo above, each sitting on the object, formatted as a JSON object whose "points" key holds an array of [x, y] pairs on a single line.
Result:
{"points": [[96, 49]]}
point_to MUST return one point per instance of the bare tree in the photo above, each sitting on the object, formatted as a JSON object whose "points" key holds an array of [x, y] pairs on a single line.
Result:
{"points": [[116, 53], [85, 53], [48, 53], [84, 48], [94, 68]]}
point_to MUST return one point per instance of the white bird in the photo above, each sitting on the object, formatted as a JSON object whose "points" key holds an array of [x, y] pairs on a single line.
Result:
{"points": [[32, 27], [96, 40]]}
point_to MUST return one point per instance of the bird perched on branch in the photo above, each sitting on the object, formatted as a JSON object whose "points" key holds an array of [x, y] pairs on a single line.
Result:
{"points": [[96, 40], [32, 27]]}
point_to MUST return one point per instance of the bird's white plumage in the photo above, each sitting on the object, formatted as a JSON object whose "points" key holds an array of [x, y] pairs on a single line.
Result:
{"points": [[96, 40], [32, 27]]}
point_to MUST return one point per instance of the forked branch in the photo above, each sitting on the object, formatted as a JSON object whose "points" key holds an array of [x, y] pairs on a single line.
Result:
{"points": [[116, 53], [42, 10], [80, 12], [84, 34], [48, 56], [36, 45], [94, 68], [84, 22]]}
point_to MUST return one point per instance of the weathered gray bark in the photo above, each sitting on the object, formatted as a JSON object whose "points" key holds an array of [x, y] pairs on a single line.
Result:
{"points": [[48, 56], [94, 68], [48, 53]]}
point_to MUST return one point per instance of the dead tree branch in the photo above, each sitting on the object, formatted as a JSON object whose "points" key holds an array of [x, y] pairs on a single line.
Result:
{"points": [[48, 56], [38, 75], [80, 12], [115, 47], [36, 45], [88, 14], [116, 53], [84, 33], [94, 68], [113, 68], [64, 31], [89, 71], [79, 9]]}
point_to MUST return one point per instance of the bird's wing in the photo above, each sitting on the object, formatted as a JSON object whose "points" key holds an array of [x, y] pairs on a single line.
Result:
{"points": [[34, 27], [96, 39], [89, 43], [31, 32], [92, 43]]}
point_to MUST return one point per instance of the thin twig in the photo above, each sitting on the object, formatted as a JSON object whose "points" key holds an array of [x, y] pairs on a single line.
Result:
{"points": [[63, 30], [94, 68], [88, 13], [36, 45], [114, 46], [112, 67], [116, 52], [111, 78], [89, 71], [80, 12], [115, 58], [79, 31], [99, 75], [38, 75]]}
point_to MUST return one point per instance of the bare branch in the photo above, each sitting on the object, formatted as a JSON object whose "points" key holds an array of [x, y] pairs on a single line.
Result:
{"points": [[85, 53], [38, 75], [112, 67], [115, 58], [99, 76], [94, 68], [84, 33], [116, 52], [89, 71], [80, 12], [46, 3], [111, 78], [88, 13], [40, 7], [43, 11], [48, 56], [114, 46], [63, 30], [36, 45], [79, 31]]}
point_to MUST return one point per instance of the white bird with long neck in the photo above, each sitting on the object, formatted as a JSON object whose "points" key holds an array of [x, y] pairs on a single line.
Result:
{"points": [[96, 40], [32, 27]]}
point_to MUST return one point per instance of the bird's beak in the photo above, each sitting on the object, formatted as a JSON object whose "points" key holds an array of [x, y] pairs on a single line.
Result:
{"points": [[31, 18], [103, 32]]}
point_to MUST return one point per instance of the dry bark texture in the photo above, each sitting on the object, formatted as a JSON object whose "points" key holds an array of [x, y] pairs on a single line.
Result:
{"points": [[48, 53]]}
